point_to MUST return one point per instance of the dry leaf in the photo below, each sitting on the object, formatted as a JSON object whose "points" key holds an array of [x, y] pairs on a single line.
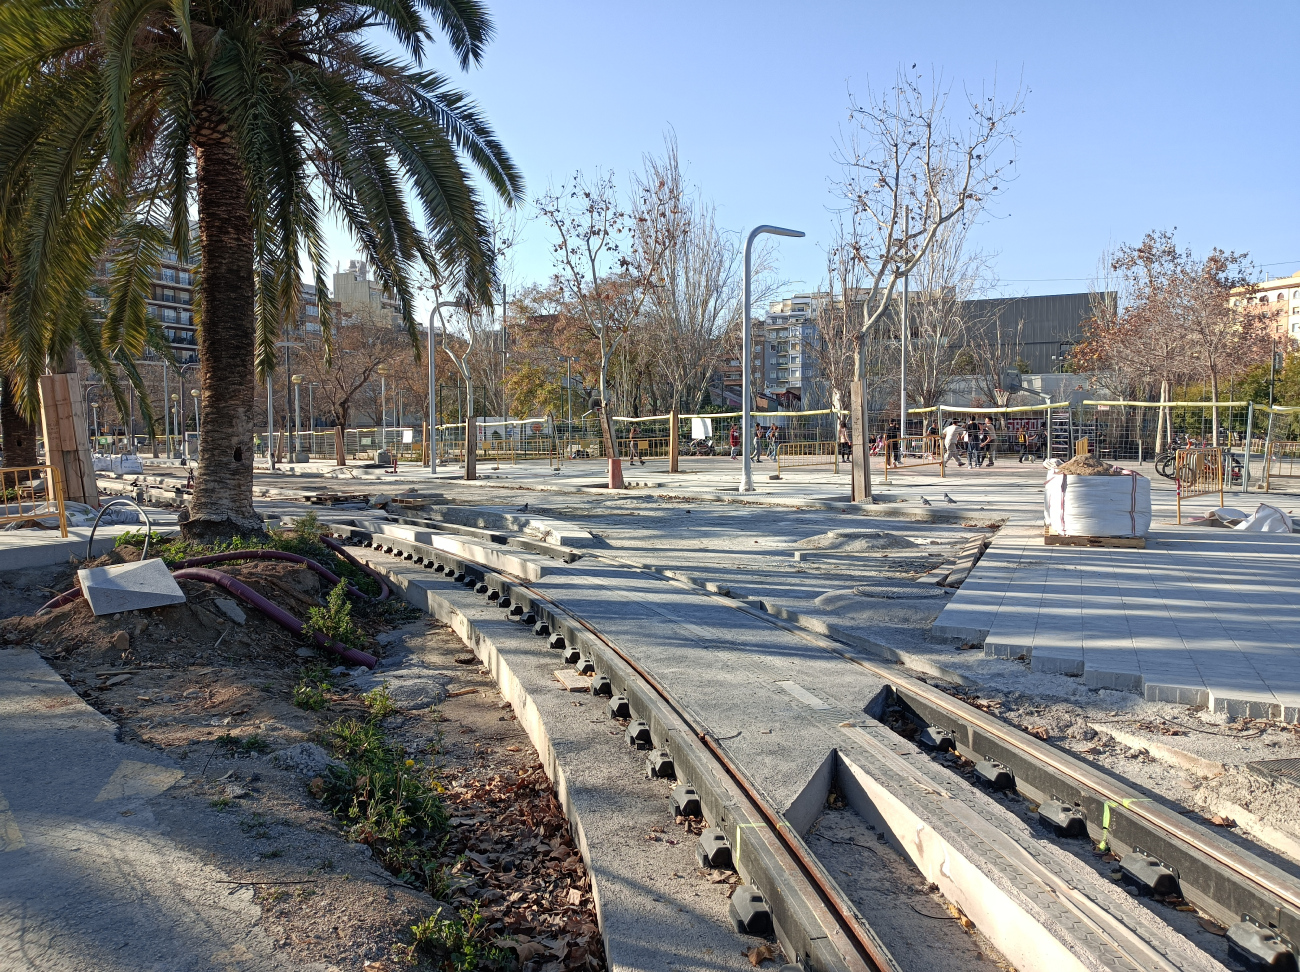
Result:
{"points": [[1213, 927], [1221, 821], [1039, 732], [316, 787], [760, 954], [575, 897]]}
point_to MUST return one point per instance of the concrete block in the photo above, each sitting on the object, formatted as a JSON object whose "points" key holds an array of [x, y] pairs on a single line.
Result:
{"points": [[129, 587]]}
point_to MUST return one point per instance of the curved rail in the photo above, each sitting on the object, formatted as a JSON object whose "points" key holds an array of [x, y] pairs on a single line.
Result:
{"points": [[121, 500]]}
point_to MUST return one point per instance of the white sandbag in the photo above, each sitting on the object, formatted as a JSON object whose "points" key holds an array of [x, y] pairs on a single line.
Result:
{"points": [[128, 464], [1098, 506], [1267, 519]]}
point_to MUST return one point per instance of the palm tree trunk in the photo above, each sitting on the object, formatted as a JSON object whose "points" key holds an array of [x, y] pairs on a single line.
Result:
{"points": [[223, 490], [16, 433]]}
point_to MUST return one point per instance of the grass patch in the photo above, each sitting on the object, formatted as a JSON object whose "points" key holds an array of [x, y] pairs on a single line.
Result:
{"points": [[387, 802], [456, 944], [255, 743], [379, 702], [220, 803], [310, 695]]}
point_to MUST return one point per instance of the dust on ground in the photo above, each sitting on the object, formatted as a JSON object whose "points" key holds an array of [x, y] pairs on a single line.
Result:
{"points": [[219, 696]]}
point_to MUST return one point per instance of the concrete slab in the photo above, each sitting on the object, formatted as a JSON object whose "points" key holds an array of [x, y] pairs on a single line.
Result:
{"points": [[129, 587], [89, 878]]}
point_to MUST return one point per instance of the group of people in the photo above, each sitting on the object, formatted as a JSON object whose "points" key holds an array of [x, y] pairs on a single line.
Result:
{"points": [[765, 440], [978, 441]]}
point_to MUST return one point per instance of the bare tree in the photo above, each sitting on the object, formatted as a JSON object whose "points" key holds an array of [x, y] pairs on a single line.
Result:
{"points": [[909, 170], [606, 263]]}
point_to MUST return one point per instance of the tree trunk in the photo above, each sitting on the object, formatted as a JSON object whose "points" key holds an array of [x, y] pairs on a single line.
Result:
{"points": [[674, 441], [858, 429], [1214, 409], [17, 435], [607, 430], [222, 506], [1160, 417]]}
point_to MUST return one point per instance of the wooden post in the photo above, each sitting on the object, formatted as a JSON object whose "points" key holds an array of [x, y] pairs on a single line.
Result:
{"points": [[67, 445], [673, 445], [340, 447]]}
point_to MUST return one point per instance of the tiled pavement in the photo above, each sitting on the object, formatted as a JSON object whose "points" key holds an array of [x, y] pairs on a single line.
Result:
{"points": [[1203, 616]]}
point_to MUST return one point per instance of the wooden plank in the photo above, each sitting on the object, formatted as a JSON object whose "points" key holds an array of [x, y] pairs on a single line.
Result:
{"points": [[1055, 539]]}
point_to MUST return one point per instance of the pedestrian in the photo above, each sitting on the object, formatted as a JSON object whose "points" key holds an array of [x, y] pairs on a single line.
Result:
{"points": [[846, 443], [891, 442], [972, 439], [952, 443], [758, 442], [773, 436], [988, 442], [634, 454], [735, 442], [1022, 444], [932, 439]]}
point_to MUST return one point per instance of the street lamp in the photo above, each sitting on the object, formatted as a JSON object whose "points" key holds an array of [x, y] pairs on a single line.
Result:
{"points": [[383, 412], [433, 383], [94, 407], [176, 423], [747, 354], [297, 419], [194, 394]]}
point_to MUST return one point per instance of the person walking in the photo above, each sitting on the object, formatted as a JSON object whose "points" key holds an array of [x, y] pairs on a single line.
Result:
{"points": [[634, 454], [758, 442], [1022, 444], [988, 442], [735, 442], [932, 439], [891, 442], [951, 443], [972, 439], [773, 435], [846, 443]]}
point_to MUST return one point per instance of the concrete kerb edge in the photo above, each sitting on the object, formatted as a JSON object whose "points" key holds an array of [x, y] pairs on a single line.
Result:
{"points": [[801, 933]]}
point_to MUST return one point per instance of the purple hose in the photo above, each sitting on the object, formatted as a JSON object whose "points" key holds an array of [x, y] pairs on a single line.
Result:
{"points": [[377, 577], [292, 558], [273, 611]]}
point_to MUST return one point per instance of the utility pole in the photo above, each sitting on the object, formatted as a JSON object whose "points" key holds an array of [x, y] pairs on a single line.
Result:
{"points": [[902, 344]]}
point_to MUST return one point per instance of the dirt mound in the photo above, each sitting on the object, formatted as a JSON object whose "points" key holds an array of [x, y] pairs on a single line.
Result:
{"points": [[1086, 466], [856, 541]]}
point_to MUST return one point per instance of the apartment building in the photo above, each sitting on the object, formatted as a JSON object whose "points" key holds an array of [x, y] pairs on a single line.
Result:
{"points": [[170, 302], [1283, 294], [783, 350], [355, 292]]}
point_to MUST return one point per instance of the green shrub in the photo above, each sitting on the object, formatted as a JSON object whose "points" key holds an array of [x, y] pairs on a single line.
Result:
{"points": [[334, 621], [310, 695], [379, 702], [456, 944]]}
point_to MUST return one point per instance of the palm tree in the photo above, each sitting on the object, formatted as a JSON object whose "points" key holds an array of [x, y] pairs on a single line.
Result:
{"points": [[262, 115]]}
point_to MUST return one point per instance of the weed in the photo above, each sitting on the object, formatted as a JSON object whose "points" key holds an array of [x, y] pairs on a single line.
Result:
{"points": [[456, 944], [315, 671], [256, 827], [385, 800], [311, 695], [245, 746], [220, 803], [379, 702], [309, 527], [135, 538], [334, 621], [271, 854], [327, 864]]}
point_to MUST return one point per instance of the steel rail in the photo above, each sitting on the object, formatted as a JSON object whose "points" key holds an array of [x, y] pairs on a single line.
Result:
{"points": [[1068, 767], [870, 952], [830, 893]]}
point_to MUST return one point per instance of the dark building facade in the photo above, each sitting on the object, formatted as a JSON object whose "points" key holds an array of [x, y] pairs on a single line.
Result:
{"points": [[1046, 327]]}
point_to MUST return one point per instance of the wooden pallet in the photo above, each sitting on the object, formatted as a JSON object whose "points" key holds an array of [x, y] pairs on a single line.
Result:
{"points": [[1052, 539]]}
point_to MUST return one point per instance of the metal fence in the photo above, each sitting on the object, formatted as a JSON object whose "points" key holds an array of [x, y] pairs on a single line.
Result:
{"points": [[1197, 472], [32, 492], [913, 452]]}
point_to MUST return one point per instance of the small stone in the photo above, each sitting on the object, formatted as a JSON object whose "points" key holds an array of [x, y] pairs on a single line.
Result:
{"points": [[231, 610], [121, 642], [117, 679], [235, 792], [305, 653]]}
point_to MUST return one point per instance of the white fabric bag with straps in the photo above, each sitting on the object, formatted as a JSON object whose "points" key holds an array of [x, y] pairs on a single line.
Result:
{"points": [[1097, 506]]}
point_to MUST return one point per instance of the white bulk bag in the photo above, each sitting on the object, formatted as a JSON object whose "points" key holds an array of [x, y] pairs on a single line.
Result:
{"points": [[1267, 519], [1098, 506]]}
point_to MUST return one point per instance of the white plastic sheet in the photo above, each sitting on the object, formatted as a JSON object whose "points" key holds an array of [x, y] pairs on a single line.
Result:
{"points": [[1098, 506], [1267, 519]]}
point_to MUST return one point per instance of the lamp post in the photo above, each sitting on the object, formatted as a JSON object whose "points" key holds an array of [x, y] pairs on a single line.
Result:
{"points": [[746, 476], [297, 419], [94, 407], [167, 422], [194, 394], [433, 383], [176, 423], [383, 413]]}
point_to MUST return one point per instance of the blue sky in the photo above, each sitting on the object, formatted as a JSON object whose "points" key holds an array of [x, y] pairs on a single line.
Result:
{"points": [[1139, 115]]}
